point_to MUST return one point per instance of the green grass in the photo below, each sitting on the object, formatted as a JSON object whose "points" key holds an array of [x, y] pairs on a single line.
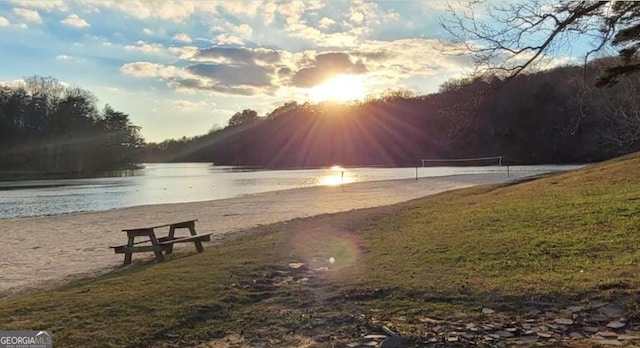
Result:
{"points": [[563, 239]]}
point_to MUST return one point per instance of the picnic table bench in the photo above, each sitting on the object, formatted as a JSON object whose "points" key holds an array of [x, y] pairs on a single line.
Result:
{"points": [[162, 244]]}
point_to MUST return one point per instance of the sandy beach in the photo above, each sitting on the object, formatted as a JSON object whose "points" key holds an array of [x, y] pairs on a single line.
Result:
{"points": [[47, 250]]}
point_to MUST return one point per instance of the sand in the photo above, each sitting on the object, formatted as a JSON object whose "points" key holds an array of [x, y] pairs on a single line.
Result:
{"points": [[42, 251]]}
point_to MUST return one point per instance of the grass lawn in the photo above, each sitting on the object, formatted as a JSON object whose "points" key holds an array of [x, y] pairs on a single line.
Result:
{"points": [[565, 239]]}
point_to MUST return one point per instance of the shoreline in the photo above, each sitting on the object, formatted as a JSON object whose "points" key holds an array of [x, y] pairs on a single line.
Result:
{"points": [[173, 184], [48, 250]]}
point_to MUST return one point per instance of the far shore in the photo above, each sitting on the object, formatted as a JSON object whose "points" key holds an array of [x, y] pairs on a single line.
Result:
{"points": [[41, 251], [28, 175]]}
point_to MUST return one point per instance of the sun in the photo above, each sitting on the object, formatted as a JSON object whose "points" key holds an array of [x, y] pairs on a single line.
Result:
{"points": [[339, 88]]}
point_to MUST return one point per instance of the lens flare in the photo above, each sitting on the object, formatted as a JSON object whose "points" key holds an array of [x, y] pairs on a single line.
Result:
{"points": [[327, 247]]}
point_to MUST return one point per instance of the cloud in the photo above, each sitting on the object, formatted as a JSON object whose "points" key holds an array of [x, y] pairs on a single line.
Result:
{"points": [[170, 10], [315, 5], [113, 89], [391, 16], [147, 48], [233, 34], [4, 22], [44, 5], [326, 22], [182, 37], [216, 28], [361, 12], [247, 71], [186, 105], [338, 38], [327, 65], [184, 52], [357, 17], [177, 78], [68, 58], [394, 62], [208, 85], [148, 69], [238, 55], [229, 75], [244, 30], [283, 72], [242, 8], [73, 20], [28, 15], [220, 70], [292, 11], [380, 55], [147, 31], [269, 12], [339, 26], [228, 39]]}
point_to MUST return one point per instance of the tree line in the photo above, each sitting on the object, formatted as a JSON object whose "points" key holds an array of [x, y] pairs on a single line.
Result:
{"points": [[47, 127], [553, 116]]}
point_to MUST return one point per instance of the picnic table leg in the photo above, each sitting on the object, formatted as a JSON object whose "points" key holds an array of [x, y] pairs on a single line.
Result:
{"points": [[156, 247], [172, 232], [192, 230], [198, 245], [127, 255]]}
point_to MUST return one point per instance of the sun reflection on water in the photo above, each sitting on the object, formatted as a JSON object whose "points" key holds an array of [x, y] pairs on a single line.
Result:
{"points": [[338, 176]]}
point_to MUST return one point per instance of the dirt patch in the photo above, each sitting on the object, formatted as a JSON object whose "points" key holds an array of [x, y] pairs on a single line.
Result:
{"points": [[285, 289], [235, 341]]}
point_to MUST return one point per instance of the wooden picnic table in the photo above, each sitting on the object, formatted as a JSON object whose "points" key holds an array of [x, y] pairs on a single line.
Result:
{"points": [[162, 244]]}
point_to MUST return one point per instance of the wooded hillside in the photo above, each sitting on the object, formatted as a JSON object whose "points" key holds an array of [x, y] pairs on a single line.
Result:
{"points": [[555, 116], [49, 128]]}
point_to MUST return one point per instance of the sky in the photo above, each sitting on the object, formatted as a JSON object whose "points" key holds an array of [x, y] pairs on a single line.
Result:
{"points": [[181, 68]]}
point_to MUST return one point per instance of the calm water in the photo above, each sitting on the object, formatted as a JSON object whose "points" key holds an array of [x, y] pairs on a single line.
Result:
{"points": [[160, 183]]}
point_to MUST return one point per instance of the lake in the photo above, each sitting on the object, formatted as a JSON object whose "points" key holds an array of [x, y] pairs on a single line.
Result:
{"points": [[160, 183]]}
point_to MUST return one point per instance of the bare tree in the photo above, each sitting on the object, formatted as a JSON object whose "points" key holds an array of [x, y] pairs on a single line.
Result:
{"points": [[48, 88], [619, 119], [507, 39]]}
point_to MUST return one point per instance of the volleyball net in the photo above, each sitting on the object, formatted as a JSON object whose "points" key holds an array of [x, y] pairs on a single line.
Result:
{"points": [[460, 162]]}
